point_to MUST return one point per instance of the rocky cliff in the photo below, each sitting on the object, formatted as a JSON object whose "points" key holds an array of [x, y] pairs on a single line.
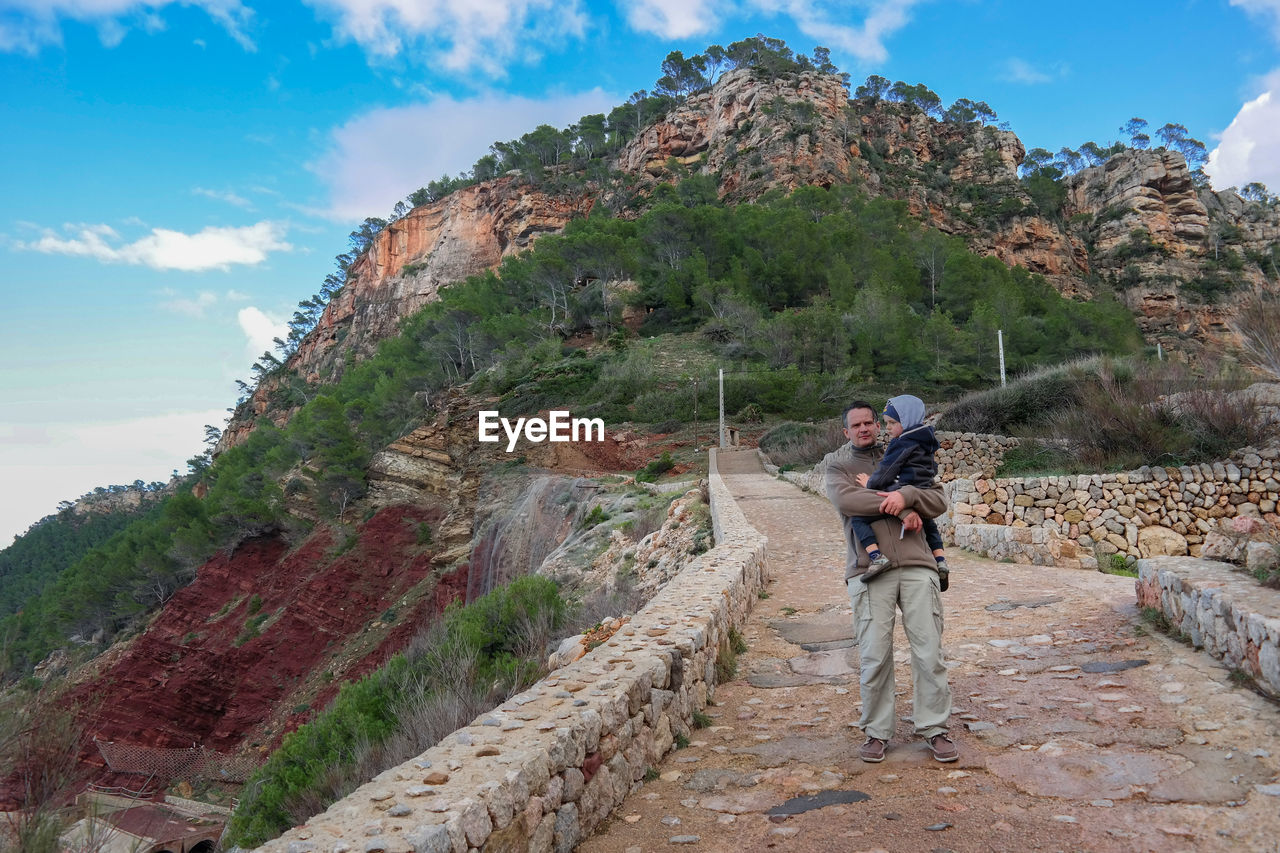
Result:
{"points": [[1180, 256], [267, 632], [467, 232]]}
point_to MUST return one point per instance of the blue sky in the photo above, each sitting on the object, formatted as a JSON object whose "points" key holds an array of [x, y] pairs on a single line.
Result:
{"points": [[178, 175]]}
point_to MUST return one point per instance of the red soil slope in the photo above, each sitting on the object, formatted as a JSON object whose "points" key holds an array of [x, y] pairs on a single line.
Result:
{"points": [[198, 676]]}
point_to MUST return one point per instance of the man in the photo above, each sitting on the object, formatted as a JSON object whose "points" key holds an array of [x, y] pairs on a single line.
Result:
{"points": [[910, 585]]}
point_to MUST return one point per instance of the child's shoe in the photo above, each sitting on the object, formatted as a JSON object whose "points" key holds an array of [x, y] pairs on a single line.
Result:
{"points": [[944, 574], [877, 568]]}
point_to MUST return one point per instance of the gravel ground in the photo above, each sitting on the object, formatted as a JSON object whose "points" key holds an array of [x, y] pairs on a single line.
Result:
{"points": [[1077, 728]]}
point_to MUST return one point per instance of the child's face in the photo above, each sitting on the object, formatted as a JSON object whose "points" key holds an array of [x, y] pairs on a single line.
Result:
{"points": [[892, 427]]}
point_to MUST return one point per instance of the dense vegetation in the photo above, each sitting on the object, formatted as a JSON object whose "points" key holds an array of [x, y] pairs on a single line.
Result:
{"points": [[35, 558], [481, 654], [800, 296]]}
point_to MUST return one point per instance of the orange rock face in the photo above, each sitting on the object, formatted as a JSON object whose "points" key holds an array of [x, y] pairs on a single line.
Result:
{"points": [[467, 232], [1145, 189]]}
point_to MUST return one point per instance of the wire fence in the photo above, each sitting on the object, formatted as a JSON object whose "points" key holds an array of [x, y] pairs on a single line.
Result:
{"points": [[191, 763]]}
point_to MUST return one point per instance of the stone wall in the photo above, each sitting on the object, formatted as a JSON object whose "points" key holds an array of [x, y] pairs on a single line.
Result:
{"points": [[542, 770], [1075, 520], [1149, 512], [1217, 608]]}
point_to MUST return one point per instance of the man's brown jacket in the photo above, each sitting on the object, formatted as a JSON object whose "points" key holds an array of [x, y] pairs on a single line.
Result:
{"points": [[843, 465]]}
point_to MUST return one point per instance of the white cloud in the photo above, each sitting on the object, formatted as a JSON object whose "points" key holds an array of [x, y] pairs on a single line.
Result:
{"points": [[1249, 149], [261, 330], [1021, 71], [224, 195], [26, 26], [457, 35], [823, 21], [187, 306], [164, 249], [50, 463], [111, 32], [1265, 9], [378, 158], [673, 19]]}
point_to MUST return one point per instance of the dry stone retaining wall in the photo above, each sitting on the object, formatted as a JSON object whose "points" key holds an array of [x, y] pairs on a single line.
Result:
{"points": [[1150, 512], [1217, 608], [1074, 520], [542, 770]]}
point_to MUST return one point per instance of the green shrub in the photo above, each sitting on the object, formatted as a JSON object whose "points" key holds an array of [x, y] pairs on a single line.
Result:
{"points": [[1034, 458], [1119, 564], [424, 534], [252, 629], [1026, 401], [596, 516], [656, 468], [796, 444]]}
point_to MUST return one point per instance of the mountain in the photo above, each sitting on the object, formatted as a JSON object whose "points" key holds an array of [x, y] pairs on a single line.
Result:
{"points": [[757, 135]]}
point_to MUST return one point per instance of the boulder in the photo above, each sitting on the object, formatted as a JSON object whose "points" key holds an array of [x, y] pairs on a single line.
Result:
{"points": [[1223, 546], [1161, 542], [1262, 556]]}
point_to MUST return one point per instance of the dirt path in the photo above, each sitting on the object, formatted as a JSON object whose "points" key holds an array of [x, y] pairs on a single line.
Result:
{"points": [[1077, 729]]}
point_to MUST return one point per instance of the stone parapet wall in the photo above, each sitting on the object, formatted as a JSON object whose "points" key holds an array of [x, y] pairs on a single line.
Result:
{"points": [[541, 771], [1217, 608]]}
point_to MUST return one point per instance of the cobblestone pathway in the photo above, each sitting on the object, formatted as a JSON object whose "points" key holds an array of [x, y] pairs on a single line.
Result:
{"points": [[1078, 730]]}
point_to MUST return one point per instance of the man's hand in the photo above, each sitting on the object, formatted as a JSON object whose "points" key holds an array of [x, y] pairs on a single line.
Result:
{"points": [[893, 503], [912, 522]]}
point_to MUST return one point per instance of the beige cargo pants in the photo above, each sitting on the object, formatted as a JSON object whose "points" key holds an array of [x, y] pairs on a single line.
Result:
{"points": [[913, 591]]}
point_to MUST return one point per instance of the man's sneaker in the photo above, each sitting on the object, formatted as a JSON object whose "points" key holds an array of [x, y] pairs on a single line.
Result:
{"points": [[872, 751], [944, 574], [943, 749], [877, 568]]}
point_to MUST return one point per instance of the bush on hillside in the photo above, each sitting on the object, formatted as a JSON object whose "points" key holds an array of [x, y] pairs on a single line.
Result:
{"points": [[792, 444], [1111, 415], [1025, 402]]}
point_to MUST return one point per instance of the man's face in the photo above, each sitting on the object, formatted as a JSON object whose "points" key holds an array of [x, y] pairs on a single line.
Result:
{"points": [[861, 427]]}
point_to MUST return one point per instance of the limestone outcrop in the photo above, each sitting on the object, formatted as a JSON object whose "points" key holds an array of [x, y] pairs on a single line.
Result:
{"points": [[756, 135], [1142, 189], [1178, 252], [465, 233]]}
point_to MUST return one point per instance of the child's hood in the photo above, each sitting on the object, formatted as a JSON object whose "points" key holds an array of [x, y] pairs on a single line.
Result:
{"points": [[906, 410]]}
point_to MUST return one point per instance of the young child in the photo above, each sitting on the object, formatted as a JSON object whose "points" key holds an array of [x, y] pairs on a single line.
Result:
{"points": [[908, 460]]}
